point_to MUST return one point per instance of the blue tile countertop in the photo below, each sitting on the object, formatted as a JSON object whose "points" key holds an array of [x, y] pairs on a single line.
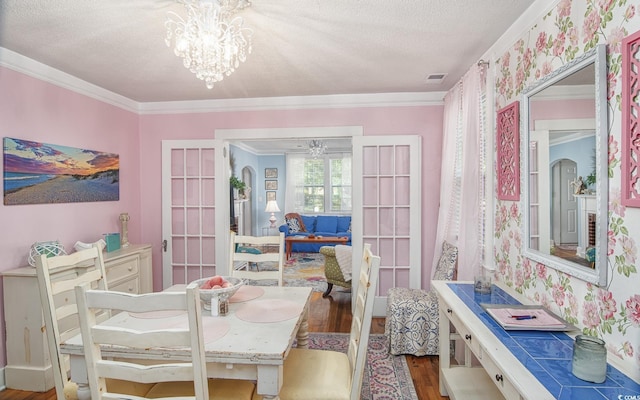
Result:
{"points": [[547, 355]]}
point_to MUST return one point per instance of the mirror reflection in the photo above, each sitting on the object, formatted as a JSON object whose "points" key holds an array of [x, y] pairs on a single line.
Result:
{"points": [[564, 119]]}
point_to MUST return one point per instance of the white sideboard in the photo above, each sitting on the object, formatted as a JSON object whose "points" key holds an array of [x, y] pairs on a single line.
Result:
{"points": [[28, 364]]}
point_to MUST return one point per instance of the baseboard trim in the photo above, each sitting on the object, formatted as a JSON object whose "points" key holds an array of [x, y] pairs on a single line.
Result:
{"points": [[3, 386]]}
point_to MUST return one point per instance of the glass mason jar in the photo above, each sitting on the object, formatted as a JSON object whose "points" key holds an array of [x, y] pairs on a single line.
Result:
{"points": [[589, 359]]}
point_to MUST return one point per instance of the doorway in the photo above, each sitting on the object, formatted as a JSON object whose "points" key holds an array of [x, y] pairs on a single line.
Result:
{"points": [[247, 206], [385, 168], [564, 207]]}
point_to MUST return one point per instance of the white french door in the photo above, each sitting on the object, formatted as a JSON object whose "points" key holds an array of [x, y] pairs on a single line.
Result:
{"points": [[194, 200], [386, 207], [387, 187]]}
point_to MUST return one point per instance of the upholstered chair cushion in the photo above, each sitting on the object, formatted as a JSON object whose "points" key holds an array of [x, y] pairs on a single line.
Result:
{"points": [[412, 314], [316, 368], [219, 389], [446, 268]]}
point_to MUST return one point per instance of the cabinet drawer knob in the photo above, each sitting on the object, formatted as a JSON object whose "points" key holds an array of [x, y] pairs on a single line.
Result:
{"points": [[499, 377], [467, 336], [449, 310], [130, 268]]}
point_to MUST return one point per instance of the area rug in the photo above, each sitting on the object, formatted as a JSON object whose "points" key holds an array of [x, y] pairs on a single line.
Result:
{"points": [[386, 377], [305, 269], [301, 270]]}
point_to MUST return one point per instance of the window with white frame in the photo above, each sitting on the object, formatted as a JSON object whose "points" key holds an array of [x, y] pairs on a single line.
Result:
{"points": [[319, 185]]}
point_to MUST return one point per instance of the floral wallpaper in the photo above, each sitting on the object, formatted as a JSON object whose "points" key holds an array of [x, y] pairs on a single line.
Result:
{"points": [[612, 312]]}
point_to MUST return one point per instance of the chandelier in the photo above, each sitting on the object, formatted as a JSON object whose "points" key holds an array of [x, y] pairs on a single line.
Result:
{"points": [[317, 148], [211, 41]]}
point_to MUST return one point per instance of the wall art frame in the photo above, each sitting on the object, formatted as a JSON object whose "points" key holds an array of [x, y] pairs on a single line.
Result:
{"points": [[271, 195], [271, 185], [508, 152], [43, 173], [630, 151], [270, 173]]}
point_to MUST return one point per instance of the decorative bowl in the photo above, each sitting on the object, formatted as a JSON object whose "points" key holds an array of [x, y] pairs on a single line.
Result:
{"points": [[222, 293]]}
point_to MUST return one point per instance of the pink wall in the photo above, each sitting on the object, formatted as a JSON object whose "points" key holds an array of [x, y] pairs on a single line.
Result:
{"points": [[423, 121], [561, 109], [35, 110]]}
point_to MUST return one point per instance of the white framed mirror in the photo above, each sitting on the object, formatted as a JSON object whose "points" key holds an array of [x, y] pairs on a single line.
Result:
{"points": [[564, 174]]}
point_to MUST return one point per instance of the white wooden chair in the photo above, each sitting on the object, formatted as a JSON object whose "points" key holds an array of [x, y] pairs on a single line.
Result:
{"points": [[331, 375], [171, 379], [243, 255], [59, 306]]}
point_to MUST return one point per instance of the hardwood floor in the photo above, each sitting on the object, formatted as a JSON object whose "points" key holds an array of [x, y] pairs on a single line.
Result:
{"points": [[332, 314]]}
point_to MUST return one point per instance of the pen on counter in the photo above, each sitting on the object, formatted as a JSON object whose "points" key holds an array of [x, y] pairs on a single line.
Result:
{"points": [[521, 317]]}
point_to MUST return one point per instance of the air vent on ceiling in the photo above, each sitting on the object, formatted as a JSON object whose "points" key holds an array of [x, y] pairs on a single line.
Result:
{"points": [[435, 78]]}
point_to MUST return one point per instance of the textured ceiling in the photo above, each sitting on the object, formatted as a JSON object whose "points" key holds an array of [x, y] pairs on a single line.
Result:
{"points": [[300, 47]]}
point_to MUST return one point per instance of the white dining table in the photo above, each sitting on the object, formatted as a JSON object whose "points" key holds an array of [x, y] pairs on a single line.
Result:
{"points": [[236, 347]]}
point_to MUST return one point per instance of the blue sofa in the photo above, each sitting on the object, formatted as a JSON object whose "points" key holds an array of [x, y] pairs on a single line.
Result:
{"points": [[320, 225]]}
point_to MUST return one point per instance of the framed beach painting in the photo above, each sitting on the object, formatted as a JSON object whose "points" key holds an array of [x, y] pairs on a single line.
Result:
{"points": [[39, 173]]}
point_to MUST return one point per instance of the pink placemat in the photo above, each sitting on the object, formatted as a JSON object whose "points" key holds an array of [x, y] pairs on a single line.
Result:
{"points": [[213, 328], [246, 293], [269, 310], [158, 314]]}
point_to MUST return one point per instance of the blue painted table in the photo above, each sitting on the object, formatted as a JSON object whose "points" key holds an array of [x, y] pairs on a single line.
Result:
{"points": [[542, 359]]}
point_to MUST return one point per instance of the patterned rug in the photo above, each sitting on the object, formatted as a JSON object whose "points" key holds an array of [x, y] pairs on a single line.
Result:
{"points": [[305, 269], [386, 377], [301, 270]]}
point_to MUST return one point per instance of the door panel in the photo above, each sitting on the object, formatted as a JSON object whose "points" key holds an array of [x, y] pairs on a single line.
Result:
{"points": [[387, 209], [190, 192]]}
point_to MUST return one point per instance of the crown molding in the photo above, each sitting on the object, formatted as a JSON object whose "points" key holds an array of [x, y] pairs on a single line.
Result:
{"points": [[568, 92], [296, 103], [43, 72]]}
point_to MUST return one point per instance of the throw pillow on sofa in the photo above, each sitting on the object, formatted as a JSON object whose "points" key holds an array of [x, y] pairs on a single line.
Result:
{"points": [[294, 222], [294, 225], [327, 224], [344, 223], [309, 223]]}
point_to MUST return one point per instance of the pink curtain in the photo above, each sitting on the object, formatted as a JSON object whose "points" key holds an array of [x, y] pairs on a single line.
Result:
{"points": [[460, 217]]}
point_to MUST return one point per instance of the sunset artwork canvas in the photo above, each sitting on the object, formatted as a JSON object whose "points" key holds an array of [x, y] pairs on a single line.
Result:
{"points": [[39, 173]]}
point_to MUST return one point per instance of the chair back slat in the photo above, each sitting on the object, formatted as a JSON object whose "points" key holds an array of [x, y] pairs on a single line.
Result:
{"points": [[361, 320], [240, 262], [57, 276], [95, 336]]}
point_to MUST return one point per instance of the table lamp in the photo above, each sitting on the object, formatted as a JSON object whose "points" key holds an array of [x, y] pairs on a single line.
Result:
{"points": [[272, 207]]}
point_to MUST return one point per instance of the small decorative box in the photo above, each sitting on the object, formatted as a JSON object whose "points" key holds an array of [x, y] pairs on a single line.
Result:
{"points": [[113, 241]]}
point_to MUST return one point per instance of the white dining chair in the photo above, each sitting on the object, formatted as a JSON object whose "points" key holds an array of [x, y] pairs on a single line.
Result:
{"points": [[57, 277], [247, 253], [330, 375], [171, 379]]}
